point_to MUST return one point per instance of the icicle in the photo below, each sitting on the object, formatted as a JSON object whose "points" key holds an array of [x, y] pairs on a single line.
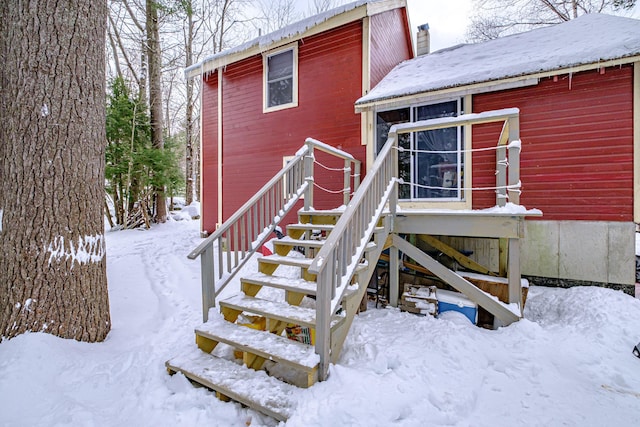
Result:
{"points": [[570, 80]]}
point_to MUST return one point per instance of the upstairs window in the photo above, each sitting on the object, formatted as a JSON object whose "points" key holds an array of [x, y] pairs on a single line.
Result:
{"points": [[280, 79]]}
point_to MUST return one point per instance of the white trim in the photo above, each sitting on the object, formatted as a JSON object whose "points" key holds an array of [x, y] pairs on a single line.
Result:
{"points": [[494, 85], [270, 41], [447, 94], [370, 136], [265, 60], [220, 137], [636, 142], [464, 106], [366, 74], [467, 107], [201, 153]]}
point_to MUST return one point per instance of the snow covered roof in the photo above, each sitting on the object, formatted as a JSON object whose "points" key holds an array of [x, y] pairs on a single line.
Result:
{"points": [[589, 39], [292, 32]]}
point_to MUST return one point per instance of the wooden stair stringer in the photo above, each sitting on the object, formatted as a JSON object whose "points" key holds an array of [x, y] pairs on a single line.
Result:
{"points": [[258, 346], [484, 299]]}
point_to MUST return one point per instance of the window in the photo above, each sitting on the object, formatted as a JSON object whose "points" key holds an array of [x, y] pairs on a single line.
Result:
{"points": [[432, 162], [280, 79]]}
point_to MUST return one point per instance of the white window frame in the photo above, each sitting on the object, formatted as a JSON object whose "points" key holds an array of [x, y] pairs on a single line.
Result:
{"points": [[265, 84], [464, 161]]}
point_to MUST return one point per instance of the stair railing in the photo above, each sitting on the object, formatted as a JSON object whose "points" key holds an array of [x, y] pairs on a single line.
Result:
{"points": [[242, 235], [337, 261]]}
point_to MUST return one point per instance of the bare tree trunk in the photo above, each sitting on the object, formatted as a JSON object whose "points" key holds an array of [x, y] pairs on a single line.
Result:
{"points": [[197, 163], [155, 97], [52, 148], [189, 107]]}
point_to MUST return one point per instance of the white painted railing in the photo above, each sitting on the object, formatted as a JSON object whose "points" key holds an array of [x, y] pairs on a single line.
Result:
{"points": [[239, 237], [337, 261], [507, 149]]}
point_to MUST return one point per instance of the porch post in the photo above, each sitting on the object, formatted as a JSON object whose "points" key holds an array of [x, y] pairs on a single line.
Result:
{"points": [[514, 278], [208, 286], [323, 318], [308, 177], [514, 160], [394, 268], [394, 276], [347, 182]]}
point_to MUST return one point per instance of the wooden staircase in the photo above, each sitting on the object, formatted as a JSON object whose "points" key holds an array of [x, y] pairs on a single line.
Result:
{"points": [[267, 366], [341, 247]]}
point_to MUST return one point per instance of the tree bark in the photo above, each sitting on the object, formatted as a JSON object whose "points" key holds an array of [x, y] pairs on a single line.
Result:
{"points": [[155, 97], [189, 160], [52, 148]]}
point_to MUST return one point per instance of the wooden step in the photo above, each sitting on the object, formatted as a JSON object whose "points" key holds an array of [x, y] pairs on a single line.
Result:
{"points": [[299, 286], [321, 217], [321, 227], [254, 389], [308, 226], [287, 241], [284, 245], [292, 285], [276, 310], [262, 343], [302, 262], [285, 260]]}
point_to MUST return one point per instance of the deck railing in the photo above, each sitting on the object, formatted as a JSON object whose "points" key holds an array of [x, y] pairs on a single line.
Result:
{"points": [[239, 237], [337, 261], [507, 149]]}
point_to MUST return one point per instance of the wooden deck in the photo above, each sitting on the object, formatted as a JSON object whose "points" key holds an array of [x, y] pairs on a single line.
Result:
{"points": [[503, 224]]}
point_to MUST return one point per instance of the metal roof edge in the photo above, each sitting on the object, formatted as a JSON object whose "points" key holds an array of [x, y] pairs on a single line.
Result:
{"points": [[360, 107]]}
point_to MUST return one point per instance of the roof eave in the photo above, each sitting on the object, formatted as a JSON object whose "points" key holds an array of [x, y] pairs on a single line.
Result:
{"points": [[489, 84], [355, 14]]}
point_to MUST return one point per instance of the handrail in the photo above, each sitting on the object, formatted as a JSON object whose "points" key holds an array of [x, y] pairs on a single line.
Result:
{"points": [[464, 119], [337, 261], [348, 159], [251, 225], [507, 172], [248, 204]]}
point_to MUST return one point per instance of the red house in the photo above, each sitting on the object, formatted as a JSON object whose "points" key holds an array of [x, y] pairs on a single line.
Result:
{"points": [[577, 86], [261, 100], [563, 104]]}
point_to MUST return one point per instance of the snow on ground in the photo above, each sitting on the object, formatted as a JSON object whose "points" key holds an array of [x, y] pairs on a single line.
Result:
{"points": [[569, 362]]}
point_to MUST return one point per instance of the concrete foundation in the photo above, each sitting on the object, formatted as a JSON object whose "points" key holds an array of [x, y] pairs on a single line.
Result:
{"points": [[570, 253]]}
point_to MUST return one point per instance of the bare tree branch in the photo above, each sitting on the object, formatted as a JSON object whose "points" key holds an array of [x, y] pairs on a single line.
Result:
{"points": [[496, 18]]}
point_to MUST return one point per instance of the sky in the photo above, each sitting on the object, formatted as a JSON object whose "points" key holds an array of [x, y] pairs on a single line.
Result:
{"points": [[447, 20]]}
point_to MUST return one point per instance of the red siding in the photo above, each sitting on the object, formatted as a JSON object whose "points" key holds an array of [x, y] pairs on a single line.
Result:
{"points": [[390, 42], [209, 190], [254, 143], [577, 145]]}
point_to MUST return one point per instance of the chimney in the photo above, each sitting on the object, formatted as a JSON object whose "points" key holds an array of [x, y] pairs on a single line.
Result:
{"points": [[423, 40]]}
